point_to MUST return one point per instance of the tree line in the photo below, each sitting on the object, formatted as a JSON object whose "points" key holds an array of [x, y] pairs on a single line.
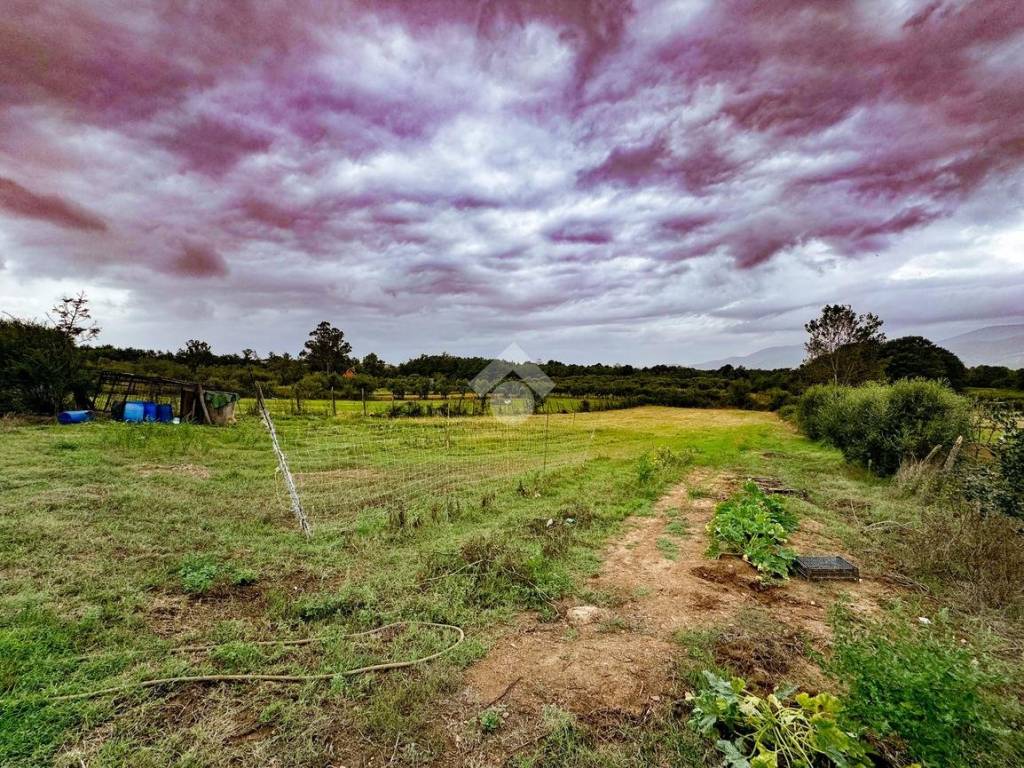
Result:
{"points": [[48, 365]]}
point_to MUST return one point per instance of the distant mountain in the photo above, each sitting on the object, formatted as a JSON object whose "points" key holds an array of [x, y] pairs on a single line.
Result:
{"points": [[993, 345], [768, 358]]}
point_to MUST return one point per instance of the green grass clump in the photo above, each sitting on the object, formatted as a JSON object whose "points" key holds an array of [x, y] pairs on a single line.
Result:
{"points": [[201, 574], [756, 526], [928, 692], [668, 548]]}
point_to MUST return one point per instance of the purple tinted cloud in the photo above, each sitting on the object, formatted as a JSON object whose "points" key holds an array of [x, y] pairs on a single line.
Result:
{"points": [[551, 161]]}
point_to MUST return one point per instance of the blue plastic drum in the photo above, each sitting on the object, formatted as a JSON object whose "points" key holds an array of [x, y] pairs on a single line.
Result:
{"points": [[73, 417], [164, 413], [149, 411], [134, 411]]}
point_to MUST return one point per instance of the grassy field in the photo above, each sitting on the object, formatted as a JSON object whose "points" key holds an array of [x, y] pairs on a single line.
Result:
{"points": [[121, 542], [1013, 396]]}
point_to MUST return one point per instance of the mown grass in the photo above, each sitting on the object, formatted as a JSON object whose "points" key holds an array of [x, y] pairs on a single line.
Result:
{"points": [[119, 542]]}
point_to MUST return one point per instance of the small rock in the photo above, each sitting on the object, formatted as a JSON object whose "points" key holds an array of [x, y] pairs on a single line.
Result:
{"points": [[582, 615], [655, 698], [924, 620]]}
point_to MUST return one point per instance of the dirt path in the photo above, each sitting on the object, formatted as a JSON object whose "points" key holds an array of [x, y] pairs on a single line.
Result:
{"points": [[617, 661]]}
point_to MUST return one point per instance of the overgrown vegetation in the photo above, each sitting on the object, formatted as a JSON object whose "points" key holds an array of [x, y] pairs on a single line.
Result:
{"points": [[755, 526], [780, 730], [924, 688], [880, 426]]}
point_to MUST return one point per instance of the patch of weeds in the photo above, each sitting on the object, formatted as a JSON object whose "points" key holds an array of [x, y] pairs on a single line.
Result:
{"points": [[446, 510], [237, 657], [925, 691], [756, 526], [203, 574], [698, 492], [680, 528], [668, 548], [557, 533], [489, 720], [492, 570], [345, 602], [645, 469], [775, 731]]}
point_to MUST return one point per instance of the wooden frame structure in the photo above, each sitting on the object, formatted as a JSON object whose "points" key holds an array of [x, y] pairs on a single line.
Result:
{"points": [[115, 388]]}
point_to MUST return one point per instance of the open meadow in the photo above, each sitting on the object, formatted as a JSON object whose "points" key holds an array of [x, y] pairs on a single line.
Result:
{"points": [[136, 552]]}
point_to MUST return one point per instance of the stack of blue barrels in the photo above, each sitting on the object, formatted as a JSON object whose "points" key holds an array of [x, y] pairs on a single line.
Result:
{"points": [[146, 410], [135, 411]]}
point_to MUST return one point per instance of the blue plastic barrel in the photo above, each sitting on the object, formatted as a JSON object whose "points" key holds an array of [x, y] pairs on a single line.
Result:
{"points": [[149, 411], [164, 412], [134, 411], [73, 417]]}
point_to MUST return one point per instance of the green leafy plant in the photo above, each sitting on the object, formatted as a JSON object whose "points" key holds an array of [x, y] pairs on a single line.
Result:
{"points": [[756, 526], [927, 691], [774, 731], [490, 720], [200, 574]]}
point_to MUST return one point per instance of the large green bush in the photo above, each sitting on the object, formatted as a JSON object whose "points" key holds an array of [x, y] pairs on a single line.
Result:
{"points": [[880, 425]]}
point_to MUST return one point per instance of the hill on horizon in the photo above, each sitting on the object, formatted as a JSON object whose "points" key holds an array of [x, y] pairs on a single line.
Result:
{"points": [[991, 345]]}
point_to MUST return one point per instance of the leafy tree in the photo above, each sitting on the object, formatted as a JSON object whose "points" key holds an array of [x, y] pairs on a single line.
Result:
{"points": [[372, 365], [250, 356], [843, 345], [38, 367], [326, 349], [194, 354], [915, 357]]}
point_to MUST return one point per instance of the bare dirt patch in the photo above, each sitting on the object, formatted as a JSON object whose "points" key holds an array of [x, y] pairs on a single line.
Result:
{"points": [[624, 665]]}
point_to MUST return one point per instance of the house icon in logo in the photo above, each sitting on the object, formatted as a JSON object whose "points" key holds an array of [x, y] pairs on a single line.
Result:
{"points": [[512, 385]]}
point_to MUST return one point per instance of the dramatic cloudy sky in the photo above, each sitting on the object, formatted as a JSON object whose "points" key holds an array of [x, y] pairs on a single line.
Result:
{"points": [[594, 179]]}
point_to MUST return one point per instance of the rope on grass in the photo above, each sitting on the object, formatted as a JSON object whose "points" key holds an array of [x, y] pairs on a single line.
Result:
{"points": [[281, 678]]}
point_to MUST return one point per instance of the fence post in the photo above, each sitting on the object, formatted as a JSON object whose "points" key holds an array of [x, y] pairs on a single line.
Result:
{"points": [[334, 405], [362, 394]]}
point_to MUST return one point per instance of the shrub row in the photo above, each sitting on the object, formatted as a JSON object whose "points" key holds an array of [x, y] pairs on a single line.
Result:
{"points": [[879, 425]]}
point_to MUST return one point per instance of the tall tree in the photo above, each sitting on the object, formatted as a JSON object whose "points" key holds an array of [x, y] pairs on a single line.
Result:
{"points": [[326, 350], [843, 344], [72, 317], [194, 354], [372, 365]]}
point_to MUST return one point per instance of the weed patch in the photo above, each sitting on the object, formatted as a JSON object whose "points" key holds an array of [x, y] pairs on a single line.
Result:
{"points": [[204, 574], [926, 691]]}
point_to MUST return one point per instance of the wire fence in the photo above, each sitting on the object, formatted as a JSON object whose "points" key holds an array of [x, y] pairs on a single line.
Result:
{"points": [[406, 468]]}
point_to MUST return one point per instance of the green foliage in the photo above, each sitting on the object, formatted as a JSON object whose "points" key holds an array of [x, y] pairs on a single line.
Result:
{"points": [[922, 686], [756, 526], [879, 426], [201, 574], [842, 346], [995, 480], [39, 368], [772, 731], [915, 357], [490, 720]]}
